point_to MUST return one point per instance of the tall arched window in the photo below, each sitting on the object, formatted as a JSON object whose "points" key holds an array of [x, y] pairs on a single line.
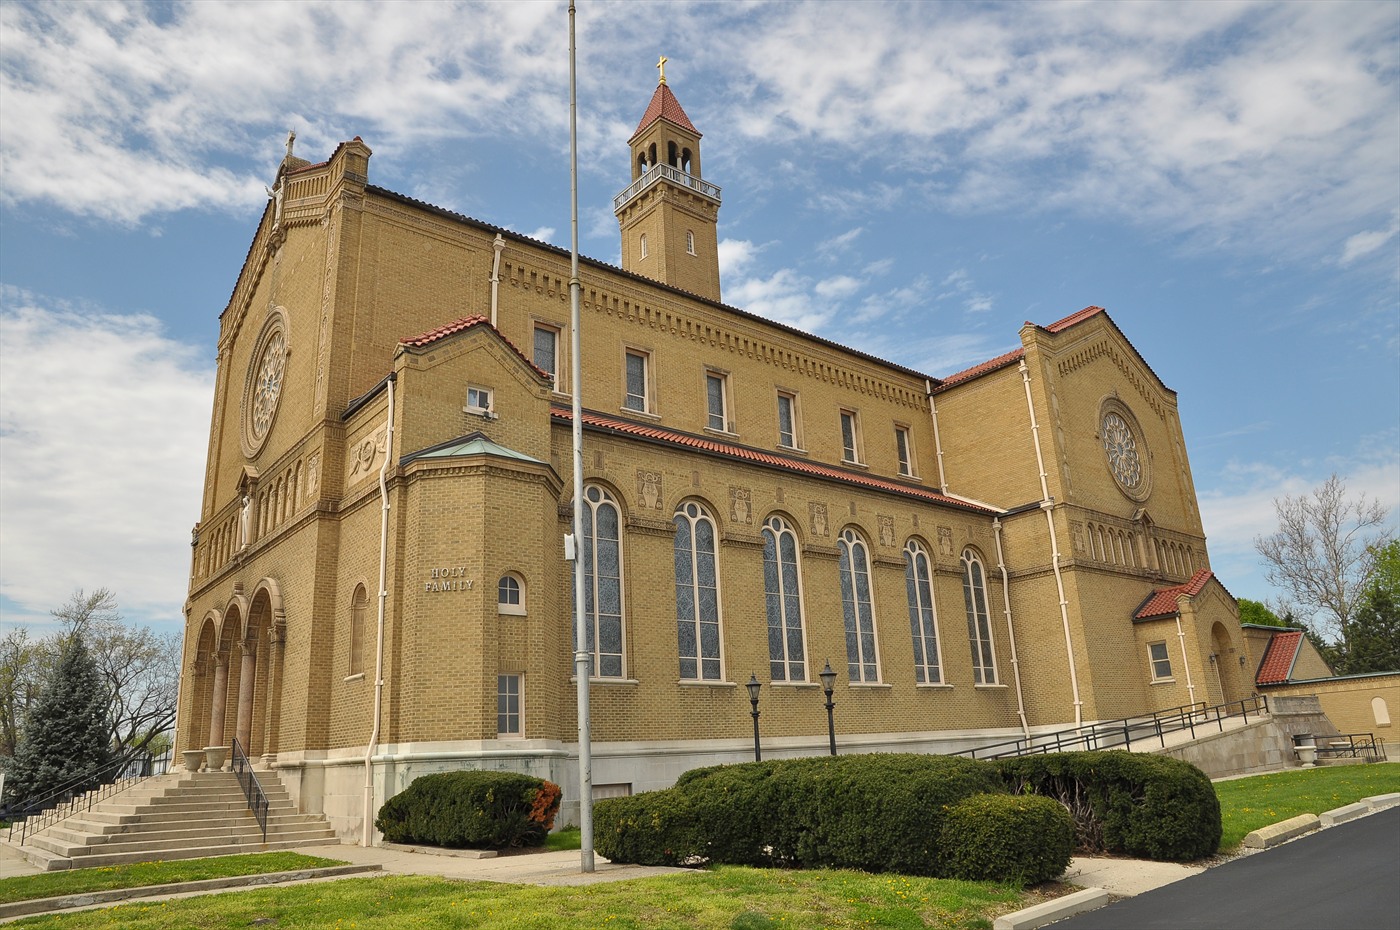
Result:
{"points": [[922, 619], [783, 602], [602, 581], [359, 606], [979, 627], [862, 661], [697, 594]]}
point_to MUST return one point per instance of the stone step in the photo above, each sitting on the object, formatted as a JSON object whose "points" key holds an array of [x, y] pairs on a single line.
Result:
{"points": [[175, 817], [91, 834], [103, 860], [163, 849]]}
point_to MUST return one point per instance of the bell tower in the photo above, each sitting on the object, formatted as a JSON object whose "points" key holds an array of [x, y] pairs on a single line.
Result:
{"points": [[668, 215]]}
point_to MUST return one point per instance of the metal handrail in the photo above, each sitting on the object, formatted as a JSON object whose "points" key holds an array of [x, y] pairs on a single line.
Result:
{"points": [[252, 788], [656, 173], [71, 798], [1357, 746], [1116, 734]]}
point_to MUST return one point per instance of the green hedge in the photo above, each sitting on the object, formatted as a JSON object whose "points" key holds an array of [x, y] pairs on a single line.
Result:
{"points": [[1136, 804], [1021, 839], [879, 813], [471, 810]]}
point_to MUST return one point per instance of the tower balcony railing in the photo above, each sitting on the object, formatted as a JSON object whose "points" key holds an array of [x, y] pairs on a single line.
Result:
{"points": [[674, 175]]}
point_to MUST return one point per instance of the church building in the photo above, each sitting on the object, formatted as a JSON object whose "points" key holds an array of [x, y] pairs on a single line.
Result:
{"points": [[379, 585]]}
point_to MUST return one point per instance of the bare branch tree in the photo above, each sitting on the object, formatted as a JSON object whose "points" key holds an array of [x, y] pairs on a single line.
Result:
{"points": [[1323, 554], [139, 669]]}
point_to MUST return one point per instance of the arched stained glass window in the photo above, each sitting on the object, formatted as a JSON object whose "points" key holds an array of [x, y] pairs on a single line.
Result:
{"points": [[862, 661], [783, 602], [923, 622], [979, 627], [602, 585], [697, 594]]}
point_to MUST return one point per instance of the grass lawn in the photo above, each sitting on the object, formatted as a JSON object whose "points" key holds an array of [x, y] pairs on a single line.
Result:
{"points": [[55, 884], [1246, 804], [567, 838], [725, 898]]}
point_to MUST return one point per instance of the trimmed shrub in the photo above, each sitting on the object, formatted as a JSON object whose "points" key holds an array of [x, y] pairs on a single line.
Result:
{"points": [[652, 828], [880, 813], [1020, 839], [471, 810], [1138, 804]]}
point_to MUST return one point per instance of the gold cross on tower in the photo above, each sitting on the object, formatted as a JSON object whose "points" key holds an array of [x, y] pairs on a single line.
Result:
{"points": [[661, 66]]}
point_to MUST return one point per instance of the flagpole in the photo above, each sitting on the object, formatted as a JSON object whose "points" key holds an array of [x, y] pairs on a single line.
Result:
{"points": [[582, 654]]}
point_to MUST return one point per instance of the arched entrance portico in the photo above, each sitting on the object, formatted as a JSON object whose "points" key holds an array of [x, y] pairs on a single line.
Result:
{"points": [[237, 668]]}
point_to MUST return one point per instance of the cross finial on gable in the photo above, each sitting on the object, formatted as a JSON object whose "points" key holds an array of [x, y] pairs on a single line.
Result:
{"points": [[291, 137], [661, 66]]}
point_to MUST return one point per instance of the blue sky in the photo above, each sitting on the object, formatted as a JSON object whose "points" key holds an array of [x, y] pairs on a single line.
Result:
{"points": [[913, 180]]}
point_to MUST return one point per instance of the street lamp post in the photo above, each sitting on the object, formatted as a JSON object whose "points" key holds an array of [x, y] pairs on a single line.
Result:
{"points": [[828, 678], [753, 686]]}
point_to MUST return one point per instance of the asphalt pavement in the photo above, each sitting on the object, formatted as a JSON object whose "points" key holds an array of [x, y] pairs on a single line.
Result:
{"points": [[1343, 878]]}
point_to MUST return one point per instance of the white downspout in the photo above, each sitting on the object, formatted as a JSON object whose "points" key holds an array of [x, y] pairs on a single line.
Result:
{"points": [[937, 442], [1011, 632], [1047, 504], [498, 244], [367, 838], [1181, 637]]}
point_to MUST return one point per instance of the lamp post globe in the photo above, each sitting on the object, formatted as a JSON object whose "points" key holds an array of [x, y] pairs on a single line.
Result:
{"points": [[754, 685]]}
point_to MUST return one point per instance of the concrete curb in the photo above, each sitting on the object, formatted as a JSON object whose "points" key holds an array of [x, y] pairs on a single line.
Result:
{"points": [[1380, 802], [89, 898], [1282, 832], [1343, 814], [1041, 914], [443, 851]]}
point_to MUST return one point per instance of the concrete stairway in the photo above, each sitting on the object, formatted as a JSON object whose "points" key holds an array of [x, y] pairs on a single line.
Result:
{"points": [[180, 816]]}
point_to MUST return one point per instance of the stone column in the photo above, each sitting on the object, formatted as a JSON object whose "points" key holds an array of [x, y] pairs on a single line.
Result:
{"points": [[244, 731], [276, 636], [216, 712]]}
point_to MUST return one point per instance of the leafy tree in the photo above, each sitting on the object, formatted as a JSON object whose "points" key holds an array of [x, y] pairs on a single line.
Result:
{"points": [[1375, 633], [68, 732], [25, 665], [1259, 613], [1324, 554]]}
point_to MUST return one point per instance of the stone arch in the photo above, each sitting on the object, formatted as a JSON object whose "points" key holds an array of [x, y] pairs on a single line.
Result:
{"points": [[1227, 672], [199, 672]]}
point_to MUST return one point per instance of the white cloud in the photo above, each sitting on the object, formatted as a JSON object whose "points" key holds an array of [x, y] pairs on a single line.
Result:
{"points": [[544, 234], [1364, 243], [102, 441], [736, 257], [1245, 124], [838, 287]]}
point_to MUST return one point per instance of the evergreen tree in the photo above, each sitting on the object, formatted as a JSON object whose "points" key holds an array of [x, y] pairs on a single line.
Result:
{"points": [[68, 733]]}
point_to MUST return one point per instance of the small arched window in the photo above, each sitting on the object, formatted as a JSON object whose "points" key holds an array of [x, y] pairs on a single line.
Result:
{"points": [[359, 606], [690, 242], [510, 595], [644, 245]]}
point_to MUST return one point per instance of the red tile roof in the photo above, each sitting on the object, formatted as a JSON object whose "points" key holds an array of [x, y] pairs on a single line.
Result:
{"points": [[1061, 325], [700, 443], [1277, 664], [1163, 603], [967, 374], [664, 105], [457, 326]]}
